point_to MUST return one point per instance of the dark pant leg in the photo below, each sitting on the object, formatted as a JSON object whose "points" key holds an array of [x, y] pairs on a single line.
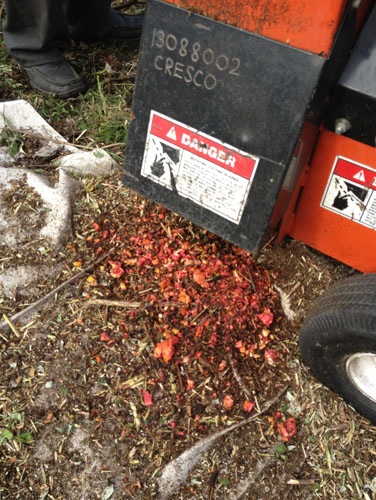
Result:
{"points": [[88, 20], [34, 30]]}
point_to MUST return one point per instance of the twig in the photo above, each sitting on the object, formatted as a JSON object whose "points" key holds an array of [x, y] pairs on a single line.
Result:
{"points": [[239, 379], [252, 280], [294, 482], [177, 471], [11, 326], [39, 303], [301, 482], [63, 142], [244, 485], [199, 314], [113, 145], [212, 481], [115, 303], [285, 301], [26, 132], [130, 305]]}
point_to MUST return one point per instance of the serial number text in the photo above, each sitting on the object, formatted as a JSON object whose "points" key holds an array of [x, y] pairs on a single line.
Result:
{"points": [[197, 65]]}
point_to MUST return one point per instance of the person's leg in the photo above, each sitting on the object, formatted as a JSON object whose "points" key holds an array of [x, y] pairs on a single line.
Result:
{"points": [[35, 31], [86, 17], [93, 20]]}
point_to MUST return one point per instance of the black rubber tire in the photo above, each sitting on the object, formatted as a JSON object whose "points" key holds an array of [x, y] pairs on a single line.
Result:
{"points": [[341, 323]]}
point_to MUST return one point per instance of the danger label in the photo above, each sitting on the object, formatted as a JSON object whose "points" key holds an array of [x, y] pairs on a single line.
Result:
{"points": [[351, 192], [198, 167]]}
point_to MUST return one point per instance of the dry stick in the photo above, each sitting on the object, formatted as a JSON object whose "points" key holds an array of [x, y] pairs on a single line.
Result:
{"points": [[39, 303], [212, 481], [177, 471], [115, 303], [292, 482], [239, 379], [11, 326], [285, 301], [63, 142], [56, 140], [244, 485], [300, 482], [129, 305]]}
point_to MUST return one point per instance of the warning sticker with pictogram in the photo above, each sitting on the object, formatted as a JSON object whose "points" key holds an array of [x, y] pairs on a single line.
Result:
{"points": [[198, 167], [351, 191]]}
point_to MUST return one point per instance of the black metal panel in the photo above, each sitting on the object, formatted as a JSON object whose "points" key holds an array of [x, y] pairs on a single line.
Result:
{"points": [[354, 98], [241, 89]]}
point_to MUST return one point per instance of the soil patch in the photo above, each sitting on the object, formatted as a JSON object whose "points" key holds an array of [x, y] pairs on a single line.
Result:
{"points": [[172, 336]]}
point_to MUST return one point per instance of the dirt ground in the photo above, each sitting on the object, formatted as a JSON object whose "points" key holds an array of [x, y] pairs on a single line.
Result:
{"points": [[160, 336], [167, 335]]}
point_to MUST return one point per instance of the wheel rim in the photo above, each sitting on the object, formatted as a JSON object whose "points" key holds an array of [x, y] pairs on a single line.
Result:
{"points": [[361, 369]]}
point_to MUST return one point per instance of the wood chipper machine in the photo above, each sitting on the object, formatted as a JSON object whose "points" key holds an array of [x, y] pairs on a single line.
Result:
{"points": [[254, 117]]}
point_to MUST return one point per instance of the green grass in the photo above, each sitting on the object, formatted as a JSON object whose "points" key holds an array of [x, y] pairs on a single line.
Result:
{"points": [[97, 118]]}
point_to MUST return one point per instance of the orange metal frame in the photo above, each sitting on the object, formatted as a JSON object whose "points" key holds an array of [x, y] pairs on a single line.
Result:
{"points": [[303, 24], [328, 231]]}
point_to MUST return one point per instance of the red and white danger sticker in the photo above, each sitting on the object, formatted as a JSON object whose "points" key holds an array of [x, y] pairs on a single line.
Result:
{"points": [[198, 167], [351, 191]]}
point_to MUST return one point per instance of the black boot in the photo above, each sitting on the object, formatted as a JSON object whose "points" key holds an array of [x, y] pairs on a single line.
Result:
{"points": [[56, 78]]}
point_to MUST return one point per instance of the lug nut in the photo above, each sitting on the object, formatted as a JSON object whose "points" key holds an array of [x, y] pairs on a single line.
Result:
{"points": [[341, 126]]}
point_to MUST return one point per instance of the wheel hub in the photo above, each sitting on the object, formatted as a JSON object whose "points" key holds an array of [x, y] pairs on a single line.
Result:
{"points": [[361, 370]]}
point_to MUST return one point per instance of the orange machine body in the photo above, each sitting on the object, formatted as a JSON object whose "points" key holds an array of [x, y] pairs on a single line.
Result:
{"points": [[336, 208], [303, 24]]}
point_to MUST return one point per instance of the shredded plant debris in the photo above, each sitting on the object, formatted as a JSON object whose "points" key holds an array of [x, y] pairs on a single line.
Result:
{"points": [[154, 343], [157, 335]]}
